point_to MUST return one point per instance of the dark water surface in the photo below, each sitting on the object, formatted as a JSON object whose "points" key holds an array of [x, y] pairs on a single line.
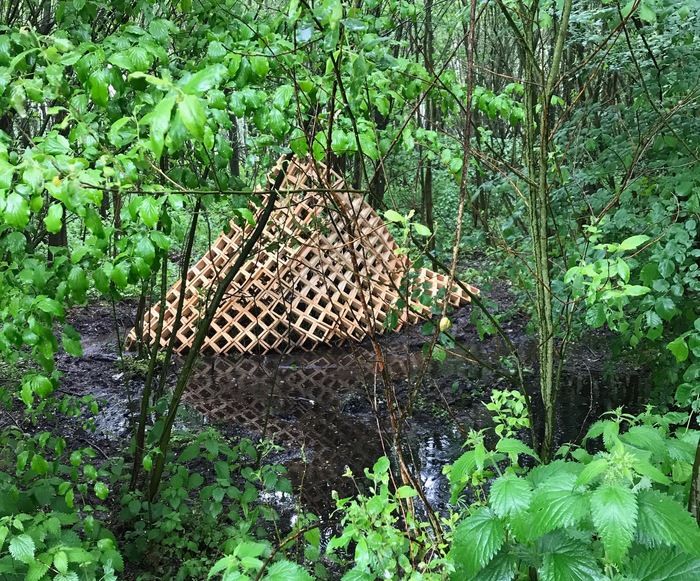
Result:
{"points": [[326, 411]]}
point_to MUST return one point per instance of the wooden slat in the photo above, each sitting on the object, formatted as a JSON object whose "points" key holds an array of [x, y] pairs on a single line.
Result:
{"points": [[300, 288]]}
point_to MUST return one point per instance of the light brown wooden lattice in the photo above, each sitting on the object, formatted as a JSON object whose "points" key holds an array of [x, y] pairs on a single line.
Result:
{"points": [[325, 270]]}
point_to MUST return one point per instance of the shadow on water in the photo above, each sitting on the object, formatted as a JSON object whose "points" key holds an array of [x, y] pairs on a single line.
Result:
{"points": [[325, 411]]}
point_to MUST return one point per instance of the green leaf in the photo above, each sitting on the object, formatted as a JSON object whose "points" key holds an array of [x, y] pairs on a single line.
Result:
{"points": [[193, 116], [36, 572], [510, 495], [40, 385], [394, 216], [26, 394], [189, 453], [460, 472], [71, 576], [99, 87], [663, 521], [121, 59], [661, 564], [477, 539], [692, 373], [557, 503], [632, 242], [595, 316], [204, 80], [679, 348], [155, 81], [592, 470], [686, 392], [406, 492], [22, 548], [666, 268], [421, 230], [381, 466], [78, 282], [623, 270], [223, 564], [646, 438], [161, 240], [250, 549], [515, 446], [247, 215], [39, 464], [260, 65], [149, 210], [16, 211], [567, 560], [60, 561], [139, 59], [286, 571], [283, 96], [635, 290], [71, 341], [120, 274], [159, 122], [53, 219], [50, 306], [237, 103], [665, 308], [6, 172], [34, 177], [646, 12], [614, 512], [101, 490], [502, 567], [145, 250], [368, 143]]}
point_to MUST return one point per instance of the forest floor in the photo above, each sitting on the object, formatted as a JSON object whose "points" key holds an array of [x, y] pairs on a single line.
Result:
{"points": [[324, 408]]}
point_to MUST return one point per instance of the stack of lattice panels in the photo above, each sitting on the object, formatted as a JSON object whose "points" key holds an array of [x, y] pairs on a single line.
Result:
{"points": [[325, 270]]}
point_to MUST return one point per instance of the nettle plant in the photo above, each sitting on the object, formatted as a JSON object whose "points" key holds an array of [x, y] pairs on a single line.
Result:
{"points": [[251, 561], [618, 513], [51, 508]]}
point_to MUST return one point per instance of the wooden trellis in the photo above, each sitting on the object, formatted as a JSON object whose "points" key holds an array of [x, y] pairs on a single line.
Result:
{"points": [[325, 270]]}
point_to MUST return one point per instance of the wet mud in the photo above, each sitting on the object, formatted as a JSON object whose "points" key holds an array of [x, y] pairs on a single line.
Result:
{"points": [[326, 409]]}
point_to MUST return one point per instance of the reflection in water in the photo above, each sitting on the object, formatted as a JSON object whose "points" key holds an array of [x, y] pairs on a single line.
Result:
{"points": [[585, 396], [319, 408], [318, 405]]}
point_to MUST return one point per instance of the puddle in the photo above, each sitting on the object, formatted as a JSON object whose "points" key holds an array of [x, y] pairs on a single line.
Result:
{"points": [[320, 409], [584, 396]]}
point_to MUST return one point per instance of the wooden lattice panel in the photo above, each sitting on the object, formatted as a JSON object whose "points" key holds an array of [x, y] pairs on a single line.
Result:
{"points": [[325, 270]]}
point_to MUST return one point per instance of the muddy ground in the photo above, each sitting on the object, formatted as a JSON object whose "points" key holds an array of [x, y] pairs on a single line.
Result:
{"points": [[325, 409]]}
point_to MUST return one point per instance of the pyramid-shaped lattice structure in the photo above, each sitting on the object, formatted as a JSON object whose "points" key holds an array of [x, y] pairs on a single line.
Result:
{"points": [[326, 269]]}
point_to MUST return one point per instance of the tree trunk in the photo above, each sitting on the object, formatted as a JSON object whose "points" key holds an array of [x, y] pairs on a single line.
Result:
{"points": [[538, 94], [429, 124], [694, 497]]}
